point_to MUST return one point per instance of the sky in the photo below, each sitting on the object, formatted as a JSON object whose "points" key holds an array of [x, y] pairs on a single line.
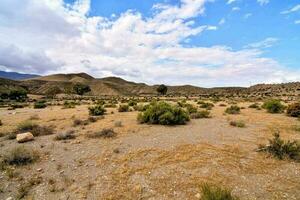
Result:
{"points": [[206, 43]]}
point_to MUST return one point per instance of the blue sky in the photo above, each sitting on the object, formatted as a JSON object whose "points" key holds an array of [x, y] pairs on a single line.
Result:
{"points": [[200, 42]]}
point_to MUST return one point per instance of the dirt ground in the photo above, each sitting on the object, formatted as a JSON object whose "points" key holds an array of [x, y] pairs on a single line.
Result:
{"points": [[152, 161]]}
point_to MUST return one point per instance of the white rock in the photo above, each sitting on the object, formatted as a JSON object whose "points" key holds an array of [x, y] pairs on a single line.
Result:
{"points": [[24, 137]]}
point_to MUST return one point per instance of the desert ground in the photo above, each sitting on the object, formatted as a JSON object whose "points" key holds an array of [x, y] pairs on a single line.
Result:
{"points": [[145, 161]]}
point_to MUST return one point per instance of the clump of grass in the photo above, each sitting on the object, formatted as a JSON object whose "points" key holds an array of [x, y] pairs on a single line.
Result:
{"points": [[123, 108], [239, 124], [293, 110], [69, 104], [34, 117], [164, 114], [93, 119], [20, 156], [110, 105], [26, 187], [200, 114], [132, 103], [213, 192], [39, 105], [282, 149], [191, 109], [65, 135], [273, 106], [233, 110], [254, 105], [118, 124], [36, 130], [104, 133], [222, 105], [206, 105], [97, 110], [79, 122], [140, 107]]}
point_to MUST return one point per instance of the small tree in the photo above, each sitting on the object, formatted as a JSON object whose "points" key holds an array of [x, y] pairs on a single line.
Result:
{"points": [[80, 89], [162, 89]]}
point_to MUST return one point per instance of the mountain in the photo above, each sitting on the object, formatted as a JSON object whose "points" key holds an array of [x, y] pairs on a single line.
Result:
{"points": [[16, 76], [115, 86]]}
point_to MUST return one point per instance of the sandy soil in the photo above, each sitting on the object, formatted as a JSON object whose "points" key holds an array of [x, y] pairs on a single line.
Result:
{"points": [[151, 161]]}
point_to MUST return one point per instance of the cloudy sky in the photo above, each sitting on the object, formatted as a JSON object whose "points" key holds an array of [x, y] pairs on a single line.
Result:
{"points": [[200, 42]]}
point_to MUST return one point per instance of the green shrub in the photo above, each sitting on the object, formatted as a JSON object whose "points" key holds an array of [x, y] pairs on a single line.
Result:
{"points": [[293, 110], [207, 106], [110, 105], [96, 110], [190, 108], [69, 104], [239, 124], [140, 107], [233, 110], [40, 105], [200, 114], [123, 108], [273, 106], [18, 95], [212, 192], [282, 149], [20, 156], [164, 114], [132, 103], [80, 88]]}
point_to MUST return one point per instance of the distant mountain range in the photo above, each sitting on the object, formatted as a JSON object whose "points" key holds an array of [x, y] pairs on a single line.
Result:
{"points": [[16, 76], [115, 86]]}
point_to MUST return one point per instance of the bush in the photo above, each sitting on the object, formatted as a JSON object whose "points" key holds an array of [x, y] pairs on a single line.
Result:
{"points": [[110, 105], [212, 192], [282, 149], [190, 108], [207, 106], [200, 114], [105, 133], [132, 103], [162, 89], [79, 122], [65, 136], [140, 107], [36, 130], [69, 104], [18, 95], [239, 124], [93, 119], [123, 108], [254, 105], [293, 110], [40, 105], [273, 106], [233, 110], [80, 89], [164, 114], [96, 110], [20, 156]]}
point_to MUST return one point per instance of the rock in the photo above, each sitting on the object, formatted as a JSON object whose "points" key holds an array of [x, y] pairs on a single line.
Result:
{"points": [[39, 169], [9, 198], [24, 137], [198, 195]]}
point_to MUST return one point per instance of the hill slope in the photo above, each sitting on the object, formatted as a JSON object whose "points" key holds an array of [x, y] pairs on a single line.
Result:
{"points": [[16, 76]]}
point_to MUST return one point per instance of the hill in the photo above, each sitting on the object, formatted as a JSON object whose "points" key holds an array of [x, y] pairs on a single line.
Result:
{"points": [[115, 86], [16, 76]]}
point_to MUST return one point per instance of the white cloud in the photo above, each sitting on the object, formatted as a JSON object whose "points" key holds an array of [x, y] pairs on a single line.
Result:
{"points": [[247, 15], [297, 21], [266, 43], [60, 38], [231, 1], [263, 2], [236, 9], [293, 9], [222, 21]]}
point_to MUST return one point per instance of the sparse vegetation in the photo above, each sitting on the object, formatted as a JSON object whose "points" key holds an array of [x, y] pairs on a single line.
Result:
{"points": [[200, 114], [255, 106], [132, 103], [233, 110], [97, 110], [20, 156], [282, 149], [65, 135], [293, 110], [69, 104], [206, 105], [104, 133], [213, 192], [36, 130], [164, 114], [123, 108], [239, 124], [40, 105], [273, 106]]}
